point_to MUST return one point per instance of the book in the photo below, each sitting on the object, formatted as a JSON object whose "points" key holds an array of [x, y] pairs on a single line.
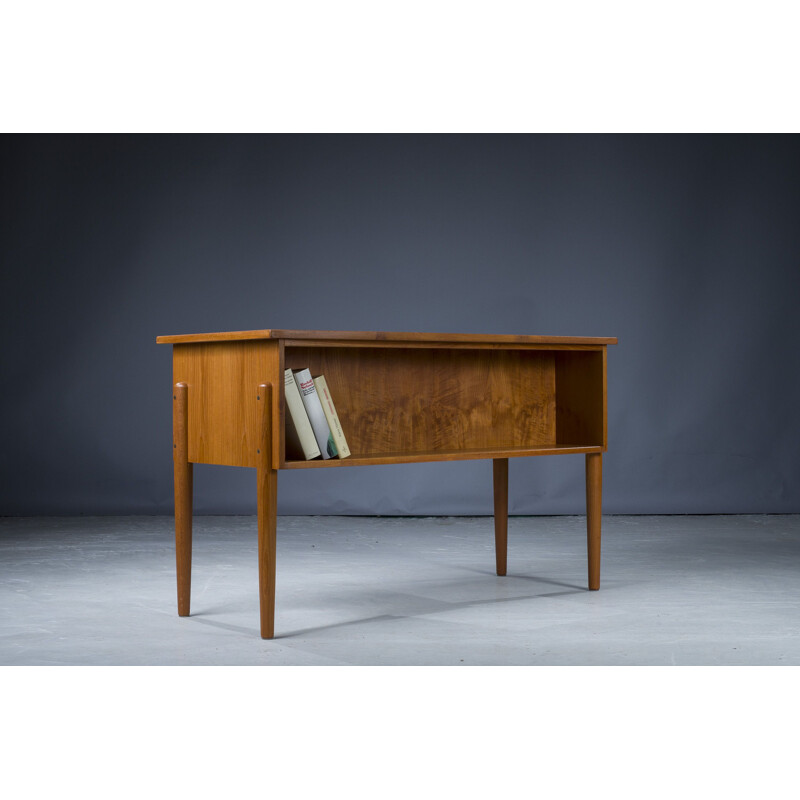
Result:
{"points": [[329, 409], [300, 440], [316, 416]]}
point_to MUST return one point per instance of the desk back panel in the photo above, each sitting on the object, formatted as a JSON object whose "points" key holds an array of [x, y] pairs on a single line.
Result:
{"points": [[429, 400]]}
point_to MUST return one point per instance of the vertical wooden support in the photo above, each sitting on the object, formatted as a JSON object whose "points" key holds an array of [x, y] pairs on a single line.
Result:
{"points": [[183, 495], [594, 491], [500, 470], [267, 478]]}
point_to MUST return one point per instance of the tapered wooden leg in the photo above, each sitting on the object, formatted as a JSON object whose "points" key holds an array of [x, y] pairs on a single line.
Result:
{"points": [[183, 496], [267, 515], [594, 491], [500, 468]]}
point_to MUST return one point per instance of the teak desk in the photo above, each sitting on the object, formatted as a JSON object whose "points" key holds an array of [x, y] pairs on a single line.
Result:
{"points": [[401, 398]]}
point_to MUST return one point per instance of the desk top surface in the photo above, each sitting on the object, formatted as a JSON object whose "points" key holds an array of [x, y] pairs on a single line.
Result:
{"points": [[383, 336]]}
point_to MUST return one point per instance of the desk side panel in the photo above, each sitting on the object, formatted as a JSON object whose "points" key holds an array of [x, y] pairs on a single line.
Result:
{"points": [[581, 398], [223, 379]]}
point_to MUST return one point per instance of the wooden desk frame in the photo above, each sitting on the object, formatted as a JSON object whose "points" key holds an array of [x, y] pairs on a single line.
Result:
{"points": [[401, 398]]}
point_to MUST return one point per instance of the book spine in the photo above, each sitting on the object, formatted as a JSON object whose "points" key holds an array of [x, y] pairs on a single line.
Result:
{"points": [[296, 408], [316, 415], [330, 414]]}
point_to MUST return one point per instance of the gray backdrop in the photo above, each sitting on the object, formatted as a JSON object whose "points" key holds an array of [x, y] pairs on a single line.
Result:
{"points": [[685, 247]]}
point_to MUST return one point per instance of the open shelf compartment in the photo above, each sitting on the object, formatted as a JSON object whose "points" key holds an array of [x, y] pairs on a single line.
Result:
{"points": [[402, 405]]}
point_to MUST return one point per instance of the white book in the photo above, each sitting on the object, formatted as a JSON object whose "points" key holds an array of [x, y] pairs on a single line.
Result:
{"points": [[300, 440], [330, 414], [316, 416]]}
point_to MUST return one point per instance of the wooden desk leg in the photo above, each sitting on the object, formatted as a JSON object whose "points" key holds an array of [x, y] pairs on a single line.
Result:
{"points": [[183, 496], [500, 469], [267, 515], [594, 491]]}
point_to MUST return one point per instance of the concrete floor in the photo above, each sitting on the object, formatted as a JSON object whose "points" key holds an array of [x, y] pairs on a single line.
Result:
{"points": [[682, 590]]}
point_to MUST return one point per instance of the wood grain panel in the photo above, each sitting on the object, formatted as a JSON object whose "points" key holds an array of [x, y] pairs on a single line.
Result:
{"points": [[222, 380], [436, 400], [581, 398]]}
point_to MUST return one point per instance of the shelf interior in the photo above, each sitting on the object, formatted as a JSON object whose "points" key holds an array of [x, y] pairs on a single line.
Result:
{"points": [[405, 405]]}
